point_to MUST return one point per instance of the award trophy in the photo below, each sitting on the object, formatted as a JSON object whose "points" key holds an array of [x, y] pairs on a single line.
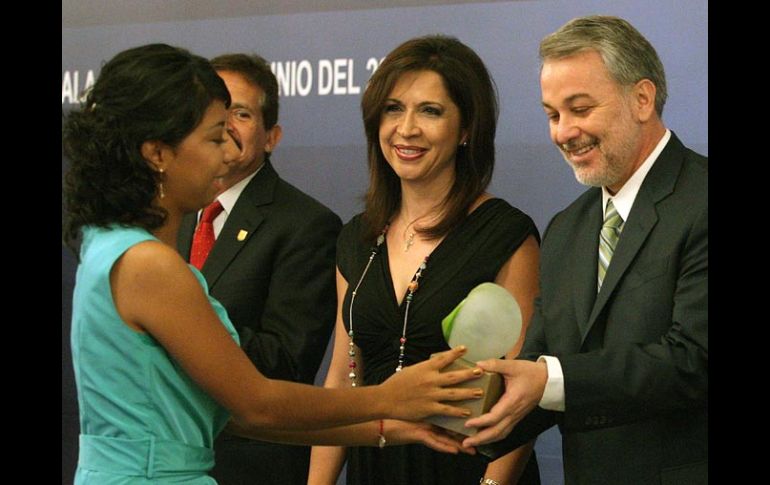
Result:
{"points": [[488, 322]]}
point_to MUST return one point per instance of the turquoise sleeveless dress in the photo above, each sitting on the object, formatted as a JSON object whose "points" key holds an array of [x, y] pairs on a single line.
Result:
{"points": [[142, 419]]}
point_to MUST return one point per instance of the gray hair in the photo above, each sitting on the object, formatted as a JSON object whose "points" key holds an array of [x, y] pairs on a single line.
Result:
{"points": [[629, 57]]}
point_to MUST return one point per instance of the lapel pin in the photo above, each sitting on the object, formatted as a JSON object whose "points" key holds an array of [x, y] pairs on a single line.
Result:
{"points": [[242, 234]]}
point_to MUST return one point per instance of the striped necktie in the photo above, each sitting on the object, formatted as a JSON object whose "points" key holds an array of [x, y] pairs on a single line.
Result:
{"points": [[608, 239]]}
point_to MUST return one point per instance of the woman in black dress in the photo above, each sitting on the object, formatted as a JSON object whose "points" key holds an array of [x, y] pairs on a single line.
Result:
{"points": [[429, 234]]}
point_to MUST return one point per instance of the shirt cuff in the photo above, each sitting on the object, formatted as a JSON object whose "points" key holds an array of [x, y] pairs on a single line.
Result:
{"points": [[553, 396]]}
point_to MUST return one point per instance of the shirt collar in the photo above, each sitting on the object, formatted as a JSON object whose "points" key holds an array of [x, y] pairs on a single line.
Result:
{"points": [[229, 197], [625, 197]]}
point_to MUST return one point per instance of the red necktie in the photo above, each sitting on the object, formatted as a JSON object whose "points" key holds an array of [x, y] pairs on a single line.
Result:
{"points": [[203, 240]]}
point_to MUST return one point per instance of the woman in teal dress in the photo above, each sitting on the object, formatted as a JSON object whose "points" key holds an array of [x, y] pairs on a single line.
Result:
{"points": [[157, 364]]}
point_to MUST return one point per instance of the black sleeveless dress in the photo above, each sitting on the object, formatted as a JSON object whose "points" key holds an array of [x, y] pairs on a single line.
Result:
{"points": [[469, 255]]}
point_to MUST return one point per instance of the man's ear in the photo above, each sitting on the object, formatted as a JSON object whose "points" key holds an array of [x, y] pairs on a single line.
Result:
{"points": [[644, 99], [152, 151], [274, 136]]}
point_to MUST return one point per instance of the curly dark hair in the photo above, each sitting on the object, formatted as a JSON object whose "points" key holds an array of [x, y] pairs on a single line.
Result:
{"points": [[472, 89], [152, 92]]}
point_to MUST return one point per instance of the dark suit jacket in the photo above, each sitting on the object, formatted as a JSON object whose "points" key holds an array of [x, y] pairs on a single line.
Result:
{"points": [[635, 356], [278, 286]]}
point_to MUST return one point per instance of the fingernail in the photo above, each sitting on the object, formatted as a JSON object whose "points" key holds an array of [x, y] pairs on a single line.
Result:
{"points": [[477, 371], [462, 348], [478, 392], [466, 412]]}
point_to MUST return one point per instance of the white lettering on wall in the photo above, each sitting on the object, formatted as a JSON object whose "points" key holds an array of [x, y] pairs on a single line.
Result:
{"points": [[282, 74], [333, 76], [324, 77], [304, 78], [72, 92], [372, 64]]}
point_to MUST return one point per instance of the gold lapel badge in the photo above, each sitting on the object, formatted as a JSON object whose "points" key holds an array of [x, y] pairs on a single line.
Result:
{"points": [[242, 234]]}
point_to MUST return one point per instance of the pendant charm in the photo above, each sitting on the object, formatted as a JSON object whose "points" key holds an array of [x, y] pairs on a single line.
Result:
{"points": [[409, 242]]}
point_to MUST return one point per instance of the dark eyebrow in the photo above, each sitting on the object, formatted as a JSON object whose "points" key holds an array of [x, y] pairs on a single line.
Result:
{"points": [[242, 106], [420, 105]]}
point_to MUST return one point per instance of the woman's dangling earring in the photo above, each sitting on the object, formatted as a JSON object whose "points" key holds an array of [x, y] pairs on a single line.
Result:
{"points": [[160, 184]]}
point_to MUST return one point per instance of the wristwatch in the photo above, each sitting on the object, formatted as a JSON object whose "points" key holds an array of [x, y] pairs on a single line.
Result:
{"points": [[488, 481]]}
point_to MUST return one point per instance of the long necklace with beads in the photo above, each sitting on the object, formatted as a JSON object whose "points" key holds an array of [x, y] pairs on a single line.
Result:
{"points": [[411, 289], [413, 286]]}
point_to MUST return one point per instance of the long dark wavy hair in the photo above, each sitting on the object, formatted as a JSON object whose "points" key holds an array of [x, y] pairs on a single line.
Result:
{"points": [[152, 92], [472, 89]]}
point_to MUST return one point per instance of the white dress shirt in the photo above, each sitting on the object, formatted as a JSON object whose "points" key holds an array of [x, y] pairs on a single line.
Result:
{"points": [[228, 198], [553, 395]]}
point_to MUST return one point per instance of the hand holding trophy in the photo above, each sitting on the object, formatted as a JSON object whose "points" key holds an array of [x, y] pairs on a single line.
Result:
{"points": [[488, 322]]}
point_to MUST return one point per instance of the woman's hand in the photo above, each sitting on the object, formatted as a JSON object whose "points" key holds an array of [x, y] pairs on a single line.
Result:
{"points": [[419, 391], [439, 439]]}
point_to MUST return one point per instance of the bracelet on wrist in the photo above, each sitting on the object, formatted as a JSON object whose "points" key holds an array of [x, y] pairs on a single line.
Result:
{"points": [[382, 441], [488, 481]]}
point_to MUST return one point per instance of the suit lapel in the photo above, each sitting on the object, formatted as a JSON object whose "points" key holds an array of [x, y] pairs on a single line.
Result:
{"points": [[658, 184], [248, 214], [585, 262], [185, 236]]}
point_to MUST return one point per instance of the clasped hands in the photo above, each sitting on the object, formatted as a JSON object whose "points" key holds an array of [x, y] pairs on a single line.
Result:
{"points": [[524, 386]]}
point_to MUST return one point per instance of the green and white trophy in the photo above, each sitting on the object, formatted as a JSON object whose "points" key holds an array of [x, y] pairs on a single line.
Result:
{"points": [[488, 322]]}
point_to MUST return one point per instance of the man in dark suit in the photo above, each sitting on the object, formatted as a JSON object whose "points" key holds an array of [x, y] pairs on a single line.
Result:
{"points": [[272, 266], [617, 350]]}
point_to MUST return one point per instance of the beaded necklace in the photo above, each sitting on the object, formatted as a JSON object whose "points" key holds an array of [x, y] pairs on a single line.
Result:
{"points": [[411, 289]]}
